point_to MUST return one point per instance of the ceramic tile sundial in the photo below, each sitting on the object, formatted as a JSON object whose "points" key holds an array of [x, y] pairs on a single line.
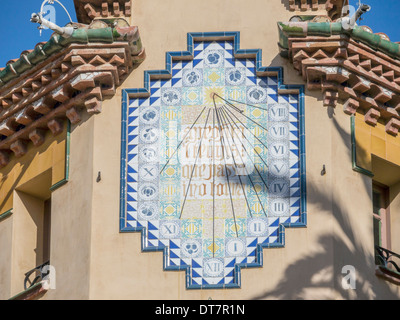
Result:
{"points": [[212, 165]]}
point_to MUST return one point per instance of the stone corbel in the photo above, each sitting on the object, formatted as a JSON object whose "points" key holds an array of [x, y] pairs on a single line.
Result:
{"points": [[393, 126], [330, 98], [4, 158], [37, 136], [19, 147], [86, 12], [372, 116], [56, 126], [91, 11], [350, 106]]}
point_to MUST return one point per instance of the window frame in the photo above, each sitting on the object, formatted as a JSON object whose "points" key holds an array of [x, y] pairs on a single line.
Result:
{"points": [[383, 217]]}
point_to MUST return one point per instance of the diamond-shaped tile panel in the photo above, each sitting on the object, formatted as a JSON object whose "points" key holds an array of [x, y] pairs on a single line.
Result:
{"points": [[188, 242]]}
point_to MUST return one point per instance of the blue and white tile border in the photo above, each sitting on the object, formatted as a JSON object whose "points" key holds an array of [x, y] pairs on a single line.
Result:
{"points": [[129, 134]]}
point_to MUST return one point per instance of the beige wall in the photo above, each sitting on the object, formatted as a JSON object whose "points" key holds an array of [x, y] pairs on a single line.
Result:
{"points": [[72, 214], [339, 228], [93, 260]]}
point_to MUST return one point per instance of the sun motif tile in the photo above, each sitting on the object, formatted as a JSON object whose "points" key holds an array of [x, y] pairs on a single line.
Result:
{"points": [[213, 94], [212, 160]]}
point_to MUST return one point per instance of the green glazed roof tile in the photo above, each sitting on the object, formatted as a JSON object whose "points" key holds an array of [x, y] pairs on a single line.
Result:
{"points": [[304, 29], [58, 43]]}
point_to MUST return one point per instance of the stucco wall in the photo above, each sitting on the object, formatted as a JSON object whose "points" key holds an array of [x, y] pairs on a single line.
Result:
{"points": [[339, 230], [71, 220]]}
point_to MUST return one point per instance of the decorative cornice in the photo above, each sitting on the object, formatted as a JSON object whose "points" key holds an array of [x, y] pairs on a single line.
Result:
{"points": [[363, 34], [87, 10], [59, 79], [358, 67], [84, 36], [333, 7]]}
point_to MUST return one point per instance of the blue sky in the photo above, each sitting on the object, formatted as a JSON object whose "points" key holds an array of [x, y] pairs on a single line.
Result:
{"points": [[20, 34], [383, 17]]}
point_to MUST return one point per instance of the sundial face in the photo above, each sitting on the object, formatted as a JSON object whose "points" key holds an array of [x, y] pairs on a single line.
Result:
{"points": [[212, 164]]}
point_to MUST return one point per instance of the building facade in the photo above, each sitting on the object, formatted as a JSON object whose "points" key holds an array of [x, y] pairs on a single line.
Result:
{"points": [[197, 150]]}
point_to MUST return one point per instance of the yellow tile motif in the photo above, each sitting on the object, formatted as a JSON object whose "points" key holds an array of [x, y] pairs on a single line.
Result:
{"points": [[214, 77]]}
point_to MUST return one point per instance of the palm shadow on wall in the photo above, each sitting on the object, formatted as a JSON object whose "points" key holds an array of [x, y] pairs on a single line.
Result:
{"points": [[301, 276]]}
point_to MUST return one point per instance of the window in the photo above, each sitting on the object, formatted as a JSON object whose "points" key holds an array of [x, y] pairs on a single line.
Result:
{"points": [[32, 228]]}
